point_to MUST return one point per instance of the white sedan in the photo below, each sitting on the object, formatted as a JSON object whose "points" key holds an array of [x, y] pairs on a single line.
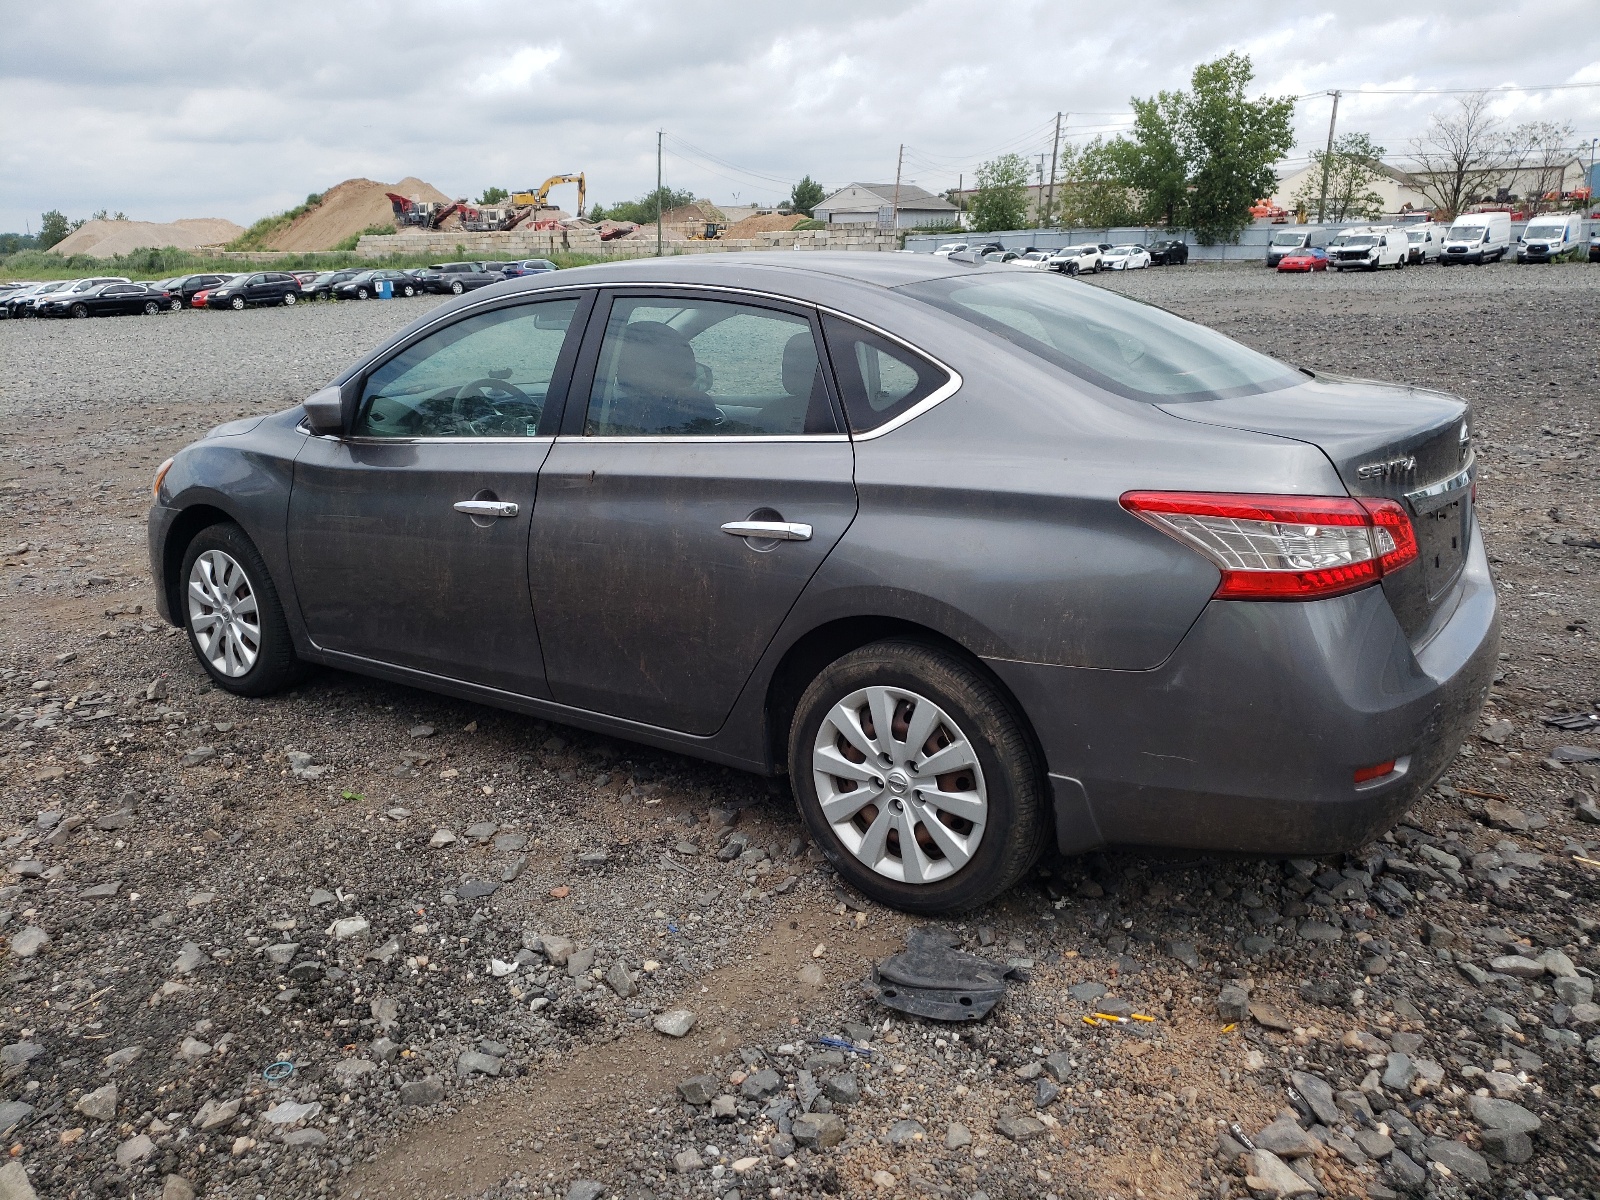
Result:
{"points": [[1125, 258]]}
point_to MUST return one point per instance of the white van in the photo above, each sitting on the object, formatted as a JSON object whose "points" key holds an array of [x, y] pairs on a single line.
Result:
{"points": [[1369, 248], [1286, 241], [1477, 238], [1427, 241], [1550, 236]]}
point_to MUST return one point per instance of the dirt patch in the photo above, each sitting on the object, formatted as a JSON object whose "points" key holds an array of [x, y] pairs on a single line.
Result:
{"points": [[347, 209], [767, 223], [106, 239]]}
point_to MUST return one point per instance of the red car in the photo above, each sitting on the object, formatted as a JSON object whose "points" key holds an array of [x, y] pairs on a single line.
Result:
{"points": [[1307, 258]]}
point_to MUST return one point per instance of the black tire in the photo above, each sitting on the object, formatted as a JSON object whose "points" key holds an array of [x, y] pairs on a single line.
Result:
{"points": [[408, 291], [1014, 834], [288, 299], [1401, 265], [237, 304], [175, 306], [276, 666], [80, 310], [151, 308], [456, 288], [361, 293], [1072, 269]]}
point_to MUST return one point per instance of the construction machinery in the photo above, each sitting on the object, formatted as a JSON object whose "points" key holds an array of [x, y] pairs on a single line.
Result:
{"points": [[535, 197], [426, 214], [489, 220]]}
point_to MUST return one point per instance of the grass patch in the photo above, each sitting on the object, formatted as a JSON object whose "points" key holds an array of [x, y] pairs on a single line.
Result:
{"points": [[264, 230], [350, 242], [812, 223], [162, 263]]}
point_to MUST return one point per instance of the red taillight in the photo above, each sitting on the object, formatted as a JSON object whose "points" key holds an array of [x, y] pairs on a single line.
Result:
{"points": [[1284, 547], [1375, 771]]}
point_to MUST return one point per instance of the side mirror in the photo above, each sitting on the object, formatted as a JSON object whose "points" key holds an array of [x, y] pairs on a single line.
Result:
{"points": [[325, 411]]}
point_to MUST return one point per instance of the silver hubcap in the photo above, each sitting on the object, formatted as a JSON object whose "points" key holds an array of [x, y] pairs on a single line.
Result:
{"points": [[223, 614], [900, 784]]}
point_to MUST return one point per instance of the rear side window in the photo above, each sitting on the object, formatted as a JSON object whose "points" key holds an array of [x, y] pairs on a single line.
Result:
{"points": [[879, 380]]}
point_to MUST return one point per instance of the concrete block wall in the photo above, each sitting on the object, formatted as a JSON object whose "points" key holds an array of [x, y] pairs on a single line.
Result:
{"points": [[520, 244]]}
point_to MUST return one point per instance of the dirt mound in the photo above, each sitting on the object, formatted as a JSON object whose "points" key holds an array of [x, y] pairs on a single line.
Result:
{"points": [[770, 223], [346, 210], [106, 239]]}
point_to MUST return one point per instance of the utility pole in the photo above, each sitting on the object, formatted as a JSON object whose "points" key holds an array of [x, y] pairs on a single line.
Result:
{"points": [[894, 213], [1055, 149], [1327, 161], [659, 132]]}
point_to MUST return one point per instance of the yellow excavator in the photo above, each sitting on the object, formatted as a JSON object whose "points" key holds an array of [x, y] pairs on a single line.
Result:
{"points": [[536, 196]]}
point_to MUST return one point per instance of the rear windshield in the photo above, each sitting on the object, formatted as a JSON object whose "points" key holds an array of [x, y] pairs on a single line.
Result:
{"points": [[1133, 349]]}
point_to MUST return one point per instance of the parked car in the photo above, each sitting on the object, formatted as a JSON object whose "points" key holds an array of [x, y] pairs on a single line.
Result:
{"points": [[1425, 242], [1594, 246], [1251, 613], [1000, 255], [1477, 238], [1076, 260], [1169, 253], [1033, 260], [1369, 248], [528, 266], [264, 287], [1125, 258], [321, 288], [365, 285], [1287, 241], [11, 301], [107, 300], [949, 248], [304, 277], [188, 288], [1550, 236], [1307, 258], [26, 305], [458, 277]]}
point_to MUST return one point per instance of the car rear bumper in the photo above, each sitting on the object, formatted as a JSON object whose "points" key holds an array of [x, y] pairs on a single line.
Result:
{"points": [[1247, 739]]}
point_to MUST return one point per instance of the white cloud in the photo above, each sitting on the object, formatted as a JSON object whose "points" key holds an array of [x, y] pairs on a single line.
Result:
{"points": [[193, 109]]}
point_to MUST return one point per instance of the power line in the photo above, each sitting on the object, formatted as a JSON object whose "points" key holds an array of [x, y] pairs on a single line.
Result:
{"points": [[1504, 87]]}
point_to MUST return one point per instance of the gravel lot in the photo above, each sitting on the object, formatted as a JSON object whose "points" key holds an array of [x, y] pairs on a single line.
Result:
{"points": [[460, 926]]}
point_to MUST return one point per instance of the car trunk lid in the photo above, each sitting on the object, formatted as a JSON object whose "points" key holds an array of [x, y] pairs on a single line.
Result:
{"points": [[1405, 444]]}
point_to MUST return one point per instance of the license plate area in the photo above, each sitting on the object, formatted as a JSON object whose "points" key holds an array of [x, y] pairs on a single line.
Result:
{"points": [[1442, 545]]}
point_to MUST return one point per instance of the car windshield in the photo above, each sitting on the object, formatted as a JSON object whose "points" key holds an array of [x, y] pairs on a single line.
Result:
{"points": [[1546, 231], [1466, 233], [1414, 236], [1133, 349], [1359, 242], [1288, 239]]}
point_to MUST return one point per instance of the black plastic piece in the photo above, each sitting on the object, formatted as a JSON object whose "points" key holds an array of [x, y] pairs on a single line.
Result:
{"points": [[932, 979]]}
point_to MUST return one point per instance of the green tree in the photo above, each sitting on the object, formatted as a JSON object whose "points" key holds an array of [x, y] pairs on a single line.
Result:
{"points": [[1001, 200], [53, 228], [493, 195], [1097, 193], [643, 210], [1352, 170], [1230, 144], [1152, 162], [807, 194]]}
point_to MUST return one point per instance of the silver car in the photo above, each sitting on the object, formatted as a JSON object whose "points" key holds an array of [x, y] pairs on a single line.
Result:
{"points": [[982, 559]]}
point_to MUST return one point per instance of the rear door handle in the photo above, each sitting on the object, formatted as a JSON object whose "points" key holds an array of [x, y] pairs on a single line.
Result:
{"points": [[777, 531], [486, 508]]}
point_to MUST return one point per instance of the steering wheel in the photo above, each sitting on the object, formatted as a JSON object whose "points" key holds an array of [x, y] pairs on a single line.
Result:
{"points": [[480, 389]]}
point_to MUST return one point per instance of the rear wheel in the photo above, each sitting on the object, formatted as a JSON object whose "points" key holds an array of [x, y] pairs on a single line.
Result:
{"points": [[456, 288], [233, 616], [289, 298], [408, 290], [916, 778], [151, 308]]}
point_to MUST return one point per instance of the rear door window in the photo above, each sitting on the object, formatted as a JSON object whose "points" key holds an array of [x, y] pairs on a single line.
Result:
{"points": [[691, 367]]}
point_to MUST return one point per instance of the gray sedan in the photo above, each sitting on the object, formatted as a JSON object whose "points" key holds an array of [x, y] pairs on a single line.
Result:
{"points": [[982, 559]]}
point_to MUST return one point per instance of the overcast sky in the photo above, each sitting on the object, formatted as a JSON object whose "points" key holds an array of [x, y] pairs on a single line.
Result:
{"points": [[185, 109]]}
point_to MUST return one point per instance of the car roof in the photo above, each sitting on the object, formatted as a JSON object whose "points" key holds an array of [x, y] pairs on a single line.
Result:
{"points": [[781, 270]]}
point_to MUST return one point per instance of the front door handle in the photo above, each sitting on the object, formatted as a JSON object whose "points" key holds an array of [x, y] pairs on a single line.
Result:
{"points": [[777, 531], [486, 508]]}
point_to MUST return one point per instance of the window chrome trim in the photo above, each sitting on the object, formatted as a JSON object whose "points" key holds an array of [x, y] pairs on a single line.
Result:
{"points": [[598, 439], [545, 439], [940, 394]]}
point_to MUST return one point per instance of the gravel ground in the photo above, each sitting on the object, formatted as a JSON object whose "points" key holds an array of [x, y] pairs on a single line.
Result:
{"points": [[461, 928]]}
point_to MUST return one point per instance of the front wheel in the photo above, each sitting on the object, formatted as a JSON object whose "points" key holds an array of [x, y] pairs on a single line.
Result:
{"points": [[916, 778], [175, 306], [1072, 269], [237, 304], [288, 298], [233, 616], [361, 293], [80, 310]]}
